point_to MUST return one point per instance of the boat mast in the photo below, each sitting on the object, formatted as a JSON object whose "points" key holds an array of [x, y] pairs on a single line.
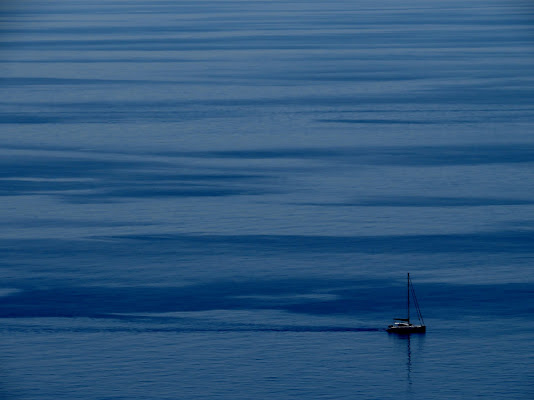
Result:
{"points": [[408, 303]]}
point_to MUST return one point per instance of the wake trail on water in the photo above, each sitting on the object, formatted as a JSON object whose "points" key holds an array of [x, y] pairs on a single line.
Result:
{"points": [[237, 329]]}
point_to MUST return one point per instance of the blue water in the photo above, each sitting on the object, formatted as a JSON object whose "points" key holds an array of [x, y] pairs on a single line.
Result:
{"points": [[219, 199]]}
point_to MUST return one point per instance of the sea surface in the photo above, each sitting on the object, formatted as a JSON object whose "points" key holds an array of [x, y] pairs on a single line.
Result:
{"points": [[221, 199]]}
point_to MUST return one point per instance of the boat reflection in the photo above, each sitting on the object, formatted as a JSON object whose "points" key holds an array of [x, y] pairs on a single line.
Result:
{"points": [[412, 347]]}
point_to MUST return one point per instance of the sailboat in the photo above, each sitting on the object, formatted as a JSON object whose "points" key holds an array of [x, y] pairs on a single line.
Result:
{"points": [[403, 325]]}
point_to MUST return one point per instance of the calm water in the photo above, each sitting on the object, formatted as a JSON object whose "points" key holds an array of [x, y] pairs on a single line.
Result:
{"points": [[220, 199]]}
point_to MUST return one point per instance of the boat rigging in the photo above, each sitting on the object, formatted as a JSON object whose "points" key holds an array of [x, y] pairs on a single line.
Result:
{"points": [[403, 325]]}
